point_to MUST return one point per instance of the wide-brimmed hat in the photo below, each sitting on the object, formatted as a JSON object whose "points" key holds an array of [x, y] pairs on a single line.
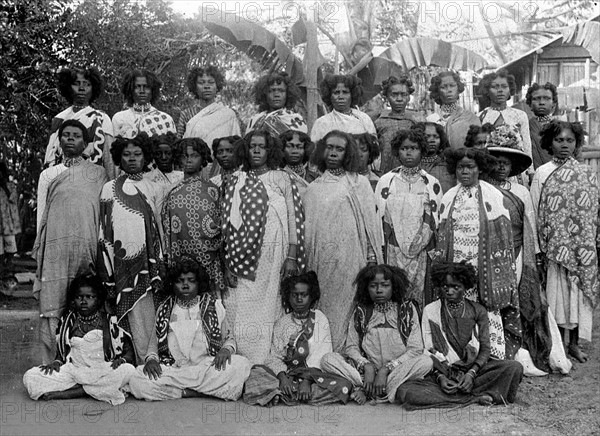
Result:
{"points": [[503, 142]]}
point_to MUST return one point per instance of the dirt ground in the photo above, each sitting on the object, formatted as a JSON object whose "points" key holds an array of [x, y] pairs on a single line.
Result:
{"points": [[550, 405]]}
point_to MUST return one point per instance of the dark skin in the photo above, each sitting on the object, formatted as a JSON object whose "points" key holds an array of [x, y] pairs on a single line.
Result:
{"points": [[453, 292], [375, 381], [86, 304], [300, 301]]}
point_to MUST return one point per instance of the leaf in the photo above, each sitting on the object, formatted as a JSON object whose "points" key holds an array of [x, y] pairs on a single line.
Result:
{"points": [[422, 52], [256, 41], [586, 35], [412, 53]]}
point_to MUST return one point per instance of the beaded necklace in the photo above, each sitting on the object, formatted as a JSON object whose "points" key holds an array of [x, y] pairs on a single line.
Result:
{"points": [[260, 171], [300, 315], [558, 161], [545, 119], [186, 304], [298, 169], [448, 109], [455, 307], [337, 171], [428, 160], [384, 307], [72, 161], [90, 321], [141, 107], [137, 176]]}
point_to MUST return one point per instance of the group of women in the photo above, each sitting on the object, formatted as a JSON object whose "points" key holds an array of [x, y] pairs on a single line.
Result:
{"points": [[369, 208]]}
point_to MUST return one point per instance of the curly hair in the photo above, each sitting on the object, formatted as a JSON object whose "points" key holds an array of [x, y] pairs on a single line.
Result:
{"points": [[393, 80], [462, 272], [415, 135], [396, 275], [485, 162], [439, 129], [555, 127], [371, 142], [536, 87], [309, 146], [486, 82], [475, 130], [261, 89], [436, 81], [75, 123], [209, 70], [142, 140], [197, 145], [184, 266], [351, 159], [329, 83], [128, 85], [168, 138], [217, 141], [310, 279], [241, 152], [90, 280], [67, 76]]}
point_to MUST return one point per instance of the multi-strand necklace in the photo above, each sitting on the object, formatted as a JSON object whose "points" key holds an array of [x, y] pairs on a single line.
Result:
{"points": [[188, 303], [384, 307]]}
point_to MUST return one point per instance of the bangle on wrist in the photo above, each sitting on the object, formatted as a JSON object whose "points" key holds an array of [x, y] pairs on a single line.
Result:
{"points": [[291, 258]]}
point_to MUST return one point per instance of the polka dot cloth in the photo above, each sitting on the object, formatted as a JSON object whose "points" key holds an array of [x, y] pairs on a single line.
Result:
{"points": [[243, 245]]}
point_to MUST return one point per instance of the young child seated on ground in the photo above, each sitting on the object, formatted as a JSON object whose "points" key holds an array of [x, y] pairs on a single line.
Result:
{"points": [[455, 332], [195, 345], [292, 372], [384, 347], [94, 354]]}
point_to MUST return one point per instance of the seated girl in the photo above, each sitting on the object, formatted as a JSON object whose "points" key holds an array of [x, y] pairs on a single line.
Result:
{"points": [[384, 347], [292, 372], [195, 345], [455, 332], [94, 354]]}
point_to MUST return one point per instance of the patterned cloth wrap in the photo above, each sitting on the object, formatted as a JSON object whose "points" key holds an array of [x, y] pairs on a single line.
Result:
{"points": [[244, 218], [129, 274], [326, 388], [497, 283], [363, 314], [278, 122], [210, 324], [113, 336], [568, 224]]}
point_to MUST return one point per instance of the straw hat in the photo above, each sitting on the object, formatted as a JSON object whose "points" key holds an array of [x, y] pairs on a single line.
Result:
{"points": [[503, 142]]}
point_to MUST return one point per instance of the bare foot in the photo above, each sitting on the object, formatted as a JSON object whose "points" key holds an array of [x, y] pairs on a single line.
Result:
{"points": [[274, 401], [359, 397], [46, 397], [485, 400], [576, 352]]}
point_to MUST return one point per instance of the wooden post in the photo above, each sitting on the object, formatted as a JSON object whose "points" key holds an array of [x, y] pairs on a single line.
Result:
{"points": [[311, 66], [534, 73]]}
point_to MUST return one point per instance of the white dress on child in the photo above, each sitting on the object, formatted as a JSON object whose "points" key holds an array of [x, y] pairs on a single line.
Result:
{"points": [[193, 368], [85, 366]]}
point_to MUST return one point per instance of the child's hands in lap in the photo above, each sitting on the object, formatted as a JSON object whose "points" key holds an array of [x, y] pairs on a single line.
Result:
{"points": [[380, 382], [51, 367], [285, 385], [304, 390], [448, 386], [466, 384], [369, 379], [222, 358], [152, 369], [117, 362]]}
